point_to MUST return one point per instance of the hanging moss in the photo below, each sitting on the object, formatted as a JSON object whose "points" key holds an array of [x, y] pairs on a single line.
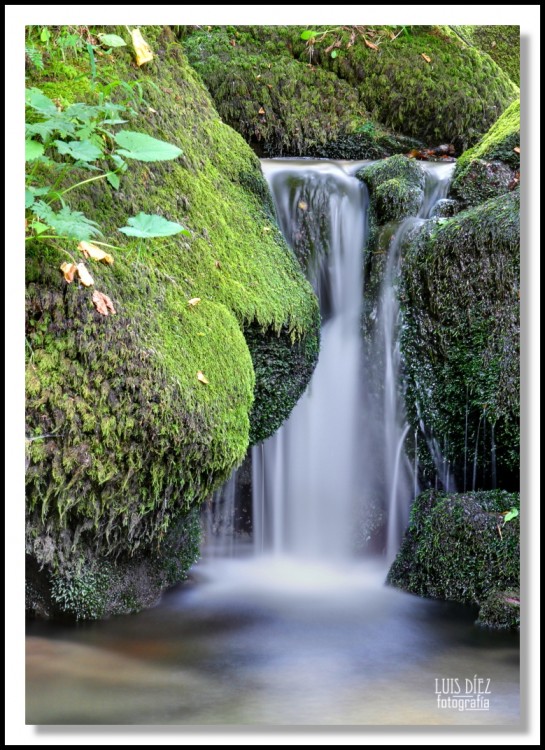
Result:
{"points": [[309, 97], [123, 438], [489, 168], [458, 548], [460, 338]]}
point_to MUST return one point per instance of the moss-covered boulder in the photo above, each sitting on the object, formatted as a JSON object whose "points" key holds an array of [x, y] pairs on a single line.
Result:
{"points": [[123, 440], [294, 97], [458, 548], [460, 340], [396, 188], [492, 166], [501, 42]]}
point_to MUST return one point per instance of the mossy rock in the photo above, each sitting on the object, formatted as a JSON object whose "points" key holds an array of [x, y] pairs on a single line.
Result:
{"points": [[457, 547], [482, 180], [396, 188], [123, 439], [294, 97], [491, 167], [501, 610], [445, 208], [501, 42], [460, 340]]}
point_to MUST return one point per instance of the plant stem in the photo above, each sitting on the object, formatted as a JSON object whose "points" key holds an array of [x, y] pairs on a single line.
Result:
{"points": [[84, 182], [72, 239]]}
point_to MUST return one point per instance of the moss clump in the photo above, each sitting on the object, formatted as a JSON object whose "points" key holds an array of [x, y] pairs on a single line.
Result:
{"points": [[282, 372], [501, 609], [454, 98], [396, 187], [502, 43], [123, 438], [453, 548], [445, 208], [489, 167], [88, 587], [460, 338]]}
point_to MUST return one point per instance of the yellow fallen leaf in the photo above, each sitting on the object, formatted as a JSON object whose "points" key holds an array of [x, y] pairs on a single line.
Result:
{"points": [[69, 271], [202, 378], [94, 252], [517, 149], [266, 229], [426, 57], [103, 303], [194, 301], [302, 205], [153, 111], [371, 45], [141, 48], [261, 111], [84, 275]]}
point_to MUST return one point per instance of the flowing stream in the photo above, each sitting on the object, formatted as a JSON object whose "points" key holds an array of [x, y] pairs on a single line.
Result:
{"points": [[296, 626]]}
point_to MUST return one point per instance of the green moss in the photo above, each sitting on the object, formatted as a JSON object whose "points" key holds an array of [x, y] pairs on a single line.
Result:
{"points": [[460, 338], [282, 373], [454, 98], [489, 167], [133, 439], [501, 609], [502, 43], [499, 142], [457, 547]]}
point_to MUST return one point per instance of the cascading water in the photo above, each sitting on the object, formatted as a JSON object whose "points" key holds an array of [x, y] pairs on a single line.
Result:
{"points": [[337, 470], [307, 477], [341, 454]]}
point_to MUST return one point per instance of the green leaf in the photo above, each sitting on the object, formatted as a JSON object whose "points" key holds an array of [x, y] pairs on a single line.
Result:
{"points": [[112, 40], [120, 163], [513, 513], [38, 227], [33, 150], [45, 36], [29, 199], [113, 179], [54, 125], [79, 150], [334, 53], [145, 148], [40, 102], [91, 53], [308, 35], [82, 112], [66, 222], [147, 225]]}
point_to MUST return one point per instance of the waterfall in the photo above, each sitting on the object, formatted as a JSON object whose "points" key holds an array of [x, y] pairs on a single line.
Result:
{"points": [[310, 470], [339, 464]]}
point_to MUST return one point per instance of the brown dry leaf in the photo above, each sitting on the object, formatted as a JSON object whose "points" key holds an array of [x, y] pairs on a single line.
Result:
{"points": [[302, 205], [427, 58], [194, 301], [84, 275], [517, 149], [141, 48], [261, 111], [103, 303], [217, 264], [94, 252], [370, 44], [493, 44], [202, 378], [232, 42], [69, 271]]}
